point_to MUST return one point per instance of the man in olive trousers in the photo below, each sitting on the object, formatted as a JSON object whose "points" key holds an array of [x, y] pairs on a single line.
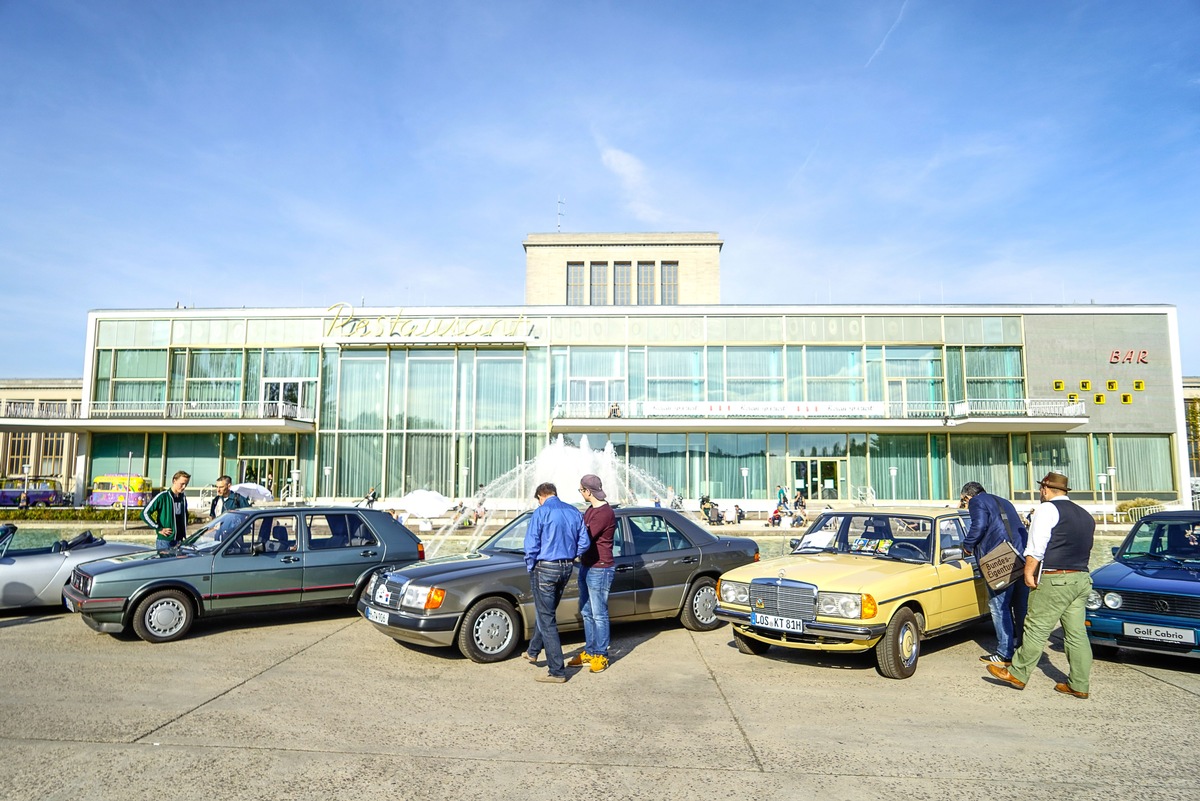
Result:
{"points": [[1056, 572]]}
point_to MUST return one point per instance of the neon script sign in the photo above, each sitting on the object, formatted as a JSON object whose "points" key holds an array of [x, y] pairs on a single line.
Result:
{"points": [[346, 324]]}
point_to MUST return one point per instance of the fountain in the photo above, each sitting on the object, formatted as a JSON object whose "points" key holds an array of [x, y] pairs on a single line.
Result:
{"points": [[563, 465]]}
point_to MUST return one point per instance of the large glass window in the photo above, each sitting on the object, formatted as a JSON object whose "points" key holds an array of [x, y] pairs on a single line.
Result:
{"points": [[429, 463], [982, 458], [909, 455], [675, 374], [360, 464], [498, 396], [727, 455], [1062, 453], [834, 374], [53, 448], [670, 283], [430, 393], [754, 374], [361, 392], [1143, 463], [622, 284], [575, 283], [20, 445], [645, 279], [599, 283], [994, 380]]}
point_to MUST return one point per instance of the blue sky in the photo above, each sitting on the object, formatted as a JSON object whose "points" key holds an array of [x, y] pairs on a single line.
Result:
{"points": [[302, 153]]}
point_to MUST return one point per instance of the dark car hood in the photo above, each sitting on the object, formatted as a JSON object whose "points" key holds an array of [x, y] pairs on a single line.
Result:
{"points": [[102, 566], [1148, 576], [445, 568]]}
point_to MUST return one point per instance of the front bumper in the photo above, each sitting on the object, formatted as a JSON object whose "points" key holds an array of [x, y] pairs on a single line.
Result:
{"points": [[102, 614], [817, 635], [1148, 633], [435, 630]]}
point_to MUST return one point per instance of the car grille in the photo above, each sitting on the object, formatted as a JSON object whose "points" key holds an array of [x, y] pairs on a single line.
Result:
{"points": [[783, 597], [1155, 604], [394, 592], [81, 582]]}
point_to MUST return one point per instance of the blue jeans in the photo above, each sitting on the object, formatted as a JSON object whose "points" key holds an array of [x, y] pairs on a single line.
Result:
{"points": [[548, 581], [1008, 616], [594, 584]]}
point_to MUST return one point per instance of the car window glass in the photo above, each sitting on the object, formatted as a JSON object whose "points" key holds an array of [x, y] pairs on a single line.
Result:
{"points": [[652, 534], [210, 536], [511, 538], [337, 530], [824, 533], [949, 534]]}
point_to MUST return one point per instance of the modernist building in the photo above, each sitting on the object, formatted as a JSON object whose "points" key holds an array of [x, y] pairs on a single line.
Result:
{"points": [[625, 341], [32, 438]]}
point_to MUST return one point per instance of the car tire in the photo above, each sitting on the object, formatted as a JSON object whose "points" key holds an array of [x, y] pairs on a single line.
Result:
{"points": [[490, 631], [898, 651], [749, 645], [163, 616], [699, 607]]}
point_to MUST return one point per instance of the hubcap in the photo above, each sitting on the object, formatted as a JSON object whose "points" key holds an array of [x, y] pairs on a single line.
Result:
{"points": [[165, 617], [908, 645], [493, 631], [704, 605]]}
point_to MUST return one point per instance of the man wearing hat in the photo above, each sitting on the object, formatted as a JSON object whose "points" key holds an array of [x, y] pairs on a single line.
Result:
{"points": [[1056, 571], [595, 575]]}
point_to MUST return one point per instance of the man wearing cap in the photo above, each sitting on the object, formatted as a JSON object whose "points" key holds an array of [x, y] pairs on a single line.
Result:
{"points": [[554, 537], [595, 575], [1056, 571]]}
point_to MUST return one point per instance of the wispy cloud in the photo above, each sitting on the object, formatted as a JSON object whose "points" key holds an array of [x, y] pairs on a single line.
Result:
{"points": [[631, 172]]}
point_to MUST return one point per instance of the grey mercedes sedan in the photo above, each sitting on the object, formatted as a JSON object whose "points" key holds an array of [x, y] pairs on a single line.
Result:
{"points": [[480, 602]]}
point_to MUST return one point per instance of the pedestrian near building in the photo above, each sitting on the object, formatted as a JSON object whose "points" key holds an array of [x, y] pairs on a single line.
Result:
{"points": [[596, 572], [781, 497], [993, 521], [1056, 572], [554, 537], [167, 513], [226, 500]]}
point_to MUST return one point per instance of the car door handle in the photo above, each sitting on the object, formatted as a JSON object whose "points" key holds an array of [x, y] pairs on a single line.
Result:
{"points": [[689, 560], [368, 553], [290, 559], [624, 568]]}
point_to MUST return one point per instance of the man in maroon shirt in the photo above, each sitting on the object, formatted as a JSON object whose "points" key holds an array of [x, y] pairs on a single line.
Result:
{"points": [[595, 575]]}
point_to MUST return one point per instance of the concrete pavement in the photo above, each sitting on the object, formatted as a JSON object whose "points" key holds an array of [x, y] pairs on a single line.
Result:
{"points": [[318, 704]]}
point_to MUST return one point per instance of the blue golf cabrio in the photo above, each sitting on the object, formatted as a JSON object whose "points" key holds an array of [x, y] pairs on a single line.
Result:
{"points": [[1148, 599]]}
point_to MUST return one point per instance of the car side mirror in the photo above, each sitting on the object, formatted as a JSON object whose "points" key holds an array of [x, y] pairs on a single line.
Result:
{"points": [[258, 548], [952, 554], [1115, 549], [794, 543]]}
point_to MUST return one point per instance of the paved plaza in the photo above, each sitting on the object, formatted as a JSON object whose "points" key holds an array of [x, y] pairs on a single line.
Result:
{"points": [[320, 705]]}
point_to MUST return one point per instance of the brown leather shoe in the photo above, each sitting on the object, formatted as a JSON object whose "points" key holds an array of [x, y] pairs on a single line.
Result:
{"points": [[1065, 689], [1001, 672]]}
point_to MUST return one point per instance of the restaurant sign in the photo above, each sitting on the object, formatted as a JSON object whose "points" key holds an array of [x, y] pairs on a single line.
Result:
{"points": [[348, 326]]}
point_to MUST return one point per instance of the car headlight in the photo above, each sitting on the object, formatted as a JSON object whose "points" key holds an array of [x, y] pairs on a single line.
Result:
{"points": [[371, 582], [418, 597], [839, 604], [1112, 600], [1093, 601], [734, 592]]}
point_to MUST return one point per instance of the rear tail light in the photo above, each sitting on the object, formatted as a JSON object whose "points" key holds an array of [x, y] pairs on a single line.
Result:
{"points": [[420, 551]]}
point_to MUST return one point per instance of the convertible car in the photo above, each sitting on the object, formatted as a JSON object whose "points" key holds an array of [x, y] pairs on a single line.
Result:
{"points": [[1148, 599], [36, 576], [245, 560], [666, 566], [860, 580]]}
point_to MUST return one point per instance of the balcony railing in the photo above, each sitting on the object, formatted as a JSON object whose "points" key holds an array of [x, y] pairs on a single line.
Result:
{"points": [[912, 410], [202, 410], [41, 410]]}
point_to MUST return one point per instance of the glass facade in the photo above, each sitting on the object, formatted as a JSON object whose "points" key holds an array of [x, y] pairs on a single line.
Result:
{"points": [[841, 407]]}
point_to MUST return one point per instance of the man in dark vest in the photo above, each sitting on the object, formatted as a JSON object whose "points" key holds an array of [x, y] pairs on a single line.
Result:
{"points": [[1056, 572]]}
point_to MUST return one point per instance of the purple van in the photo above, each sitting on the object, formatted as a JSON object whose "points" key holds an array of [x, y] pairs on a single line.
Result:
{"points": [[42, 491]]}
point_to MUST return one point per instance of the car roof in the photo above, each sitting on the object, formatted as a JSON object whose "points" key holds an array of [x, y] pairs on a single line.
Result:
{"points": [[1178, 514], [898, 511]]}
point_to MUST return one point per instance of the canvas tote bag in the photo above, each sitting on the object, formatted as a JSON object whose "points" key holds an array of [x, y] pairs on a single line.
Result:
{"points": [[1002, 565]]}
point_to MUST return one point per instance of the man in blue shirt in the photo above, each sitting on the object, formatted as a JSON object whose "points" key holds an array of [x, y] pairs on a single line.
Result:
{"points": [[994, 520], [554, 537]]}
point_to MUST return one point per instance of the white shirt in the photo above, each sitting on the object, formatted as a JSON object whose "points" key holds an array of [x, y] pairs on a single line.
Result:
{"points": [[1045, 518]]}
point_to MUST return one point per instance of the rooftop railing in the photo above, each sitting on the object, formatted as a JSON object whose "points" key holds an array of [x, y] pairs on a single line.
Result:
{"points": [[894, 410]]}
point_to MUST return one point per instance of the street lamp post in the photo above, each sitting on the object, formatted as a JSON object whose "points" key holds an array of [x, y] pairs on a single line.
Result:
{"points": [[27, 469], [1102, 480], [1112, 488], [745, 474], [893, 470], [328, 470]]}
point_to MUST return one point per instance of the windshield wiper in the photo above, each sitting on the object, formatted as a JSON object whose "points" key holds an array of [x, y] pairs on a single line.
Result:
{"points": [[506, 550], [1159, 556]]}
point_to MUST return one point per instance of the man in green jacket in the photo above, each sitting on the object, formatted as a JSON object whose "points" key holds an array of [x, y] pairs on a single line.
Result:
{"points": [[167, 513]]}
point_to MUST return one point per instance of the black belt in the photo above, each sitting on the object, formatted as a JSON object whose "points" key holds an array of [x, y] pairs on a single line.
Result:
{"points": [[553, 561]]}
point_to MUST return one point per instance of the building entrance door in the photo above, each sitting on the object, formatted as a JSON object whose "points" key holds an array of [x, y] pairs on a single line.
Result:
{"points": [[819, 479], [273, 472]]}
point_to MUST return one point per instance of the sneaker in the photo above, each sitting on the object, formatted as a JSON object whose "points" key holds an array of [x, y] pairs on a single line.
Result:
{"points": [[599, 663], [995, 659], [580, 659], [547, 678]]}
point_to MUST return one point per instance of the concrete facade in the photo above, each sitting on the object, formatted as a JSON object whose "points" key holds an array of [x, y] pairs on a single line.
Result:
{"points": [[698, 256]]}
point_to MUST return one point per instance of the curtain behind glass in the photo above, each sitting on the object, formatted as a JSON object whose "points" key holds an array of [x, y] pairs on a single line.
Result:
{"points": [[982, 458], [360, 464], [430, 393], [908, 453], [499, 393], [1143, 463], [361, 394], [429, 463], [290, 363], [1062, 453], [496, 454]]}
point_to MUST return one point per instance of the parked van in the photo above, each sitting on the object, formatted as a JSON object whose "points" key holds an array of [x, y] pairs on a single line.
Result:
{"points": [[42, 491], [120, 489]]}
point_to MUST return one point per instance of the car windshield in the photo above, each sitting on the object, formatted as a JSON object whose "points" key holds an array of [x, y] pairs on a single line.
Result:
{"points": [[1166, 540], [900, 537], [213, 534], [510, 539]]}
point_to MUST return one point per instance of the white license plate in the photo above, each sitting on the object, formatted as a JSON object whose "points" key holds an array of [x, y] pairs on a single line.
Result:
{"points": [[1146, 631], [776, 622], [70, 604], [375, 616]]}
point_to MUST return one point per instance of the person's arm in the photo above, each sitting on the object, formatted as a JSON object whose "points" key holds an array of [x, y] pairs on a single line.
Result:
{"points": [[583, 538], [533, 537], [1045, 517], [979, 518]]}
